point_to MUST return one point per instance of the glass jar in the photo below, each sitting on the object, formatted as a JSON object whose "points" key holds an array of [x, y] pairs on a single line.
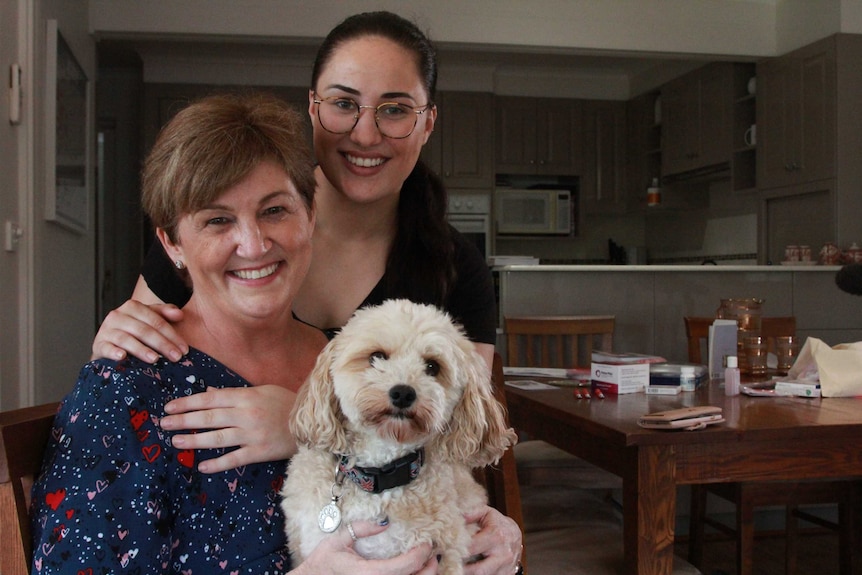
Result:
{"points": [[748, 313]]}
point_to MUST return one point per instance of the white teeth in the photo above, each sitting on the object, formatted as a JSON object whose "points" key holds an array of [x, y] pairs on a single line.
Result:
{"points": [[364, 162], [256, 274]]}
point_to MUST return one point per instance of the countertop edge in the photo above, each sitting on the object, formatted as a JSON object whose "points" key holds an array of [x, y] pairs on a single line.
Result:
{"points": [[664, 268]]}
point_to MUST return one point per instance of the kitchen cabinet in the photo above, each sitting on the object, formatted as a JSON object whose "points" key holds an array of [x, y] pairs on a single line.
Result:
{"points": [[162, 101], [801, 215], [602, 184], [538, 136], [808, 137], [461, 148], [696, 119], [796, 116]]}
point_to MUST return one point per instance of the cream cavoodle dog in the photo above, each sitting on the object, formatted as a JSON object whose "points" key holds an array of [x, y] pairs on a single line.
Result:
{"points": [[395, 414]]}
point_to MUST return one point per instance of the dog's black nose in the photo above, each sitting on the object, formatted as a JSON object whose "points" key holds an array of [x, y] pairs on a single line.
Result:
{"points": [[402, 396]]}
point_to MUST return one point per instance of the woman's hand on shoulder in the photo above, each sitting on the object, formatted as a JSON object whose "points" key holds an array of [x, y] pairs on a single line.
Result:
{"points": [[141, 330], [336, 556], [255, 419], [499, 542]]}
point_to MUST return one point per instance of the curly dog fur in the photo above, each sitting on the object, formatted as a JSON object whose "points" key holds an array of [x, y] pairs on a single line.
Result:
{"points": [[398, 377]]}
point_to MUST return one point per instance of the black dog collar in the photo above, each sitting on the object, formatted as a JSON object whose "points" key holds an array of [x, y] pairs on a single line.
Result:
{"points": [[378, 479]]}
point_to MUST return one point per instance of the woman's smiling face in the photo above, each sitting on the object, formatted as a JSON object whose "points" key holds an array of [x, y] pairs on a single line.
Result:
{"points": [[248, 252], [363, 164]]}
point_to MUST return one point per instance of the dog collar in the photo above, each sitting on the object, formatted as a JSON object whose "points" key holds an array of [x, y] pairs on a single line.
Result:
{"points": [[378, 479]]}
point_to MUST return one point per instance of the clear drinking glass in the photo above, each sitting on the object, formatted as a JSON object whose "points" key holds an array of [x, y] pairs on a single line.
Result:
{"points": [[755, 354], [786, 350]]}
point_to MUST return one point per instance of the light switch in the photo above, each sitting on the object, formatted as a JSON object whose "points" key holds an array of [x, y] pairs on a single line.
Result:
{"points": [[12, 234]]}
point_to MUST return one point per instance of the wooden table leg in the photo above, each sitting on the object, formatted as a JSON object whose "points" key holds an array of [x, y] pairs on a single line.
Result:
{"points": [[649, 512]]}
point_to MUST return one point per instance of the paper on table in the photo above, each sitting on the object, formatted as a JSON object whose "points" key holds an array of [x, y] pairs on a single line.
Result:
{"points": [[536, 371], [529, 384]]}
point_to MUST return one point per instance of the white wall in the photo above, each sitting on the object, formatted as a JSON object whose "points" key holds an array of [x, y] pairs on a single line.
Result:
{"points": [[11, 263], [64, 283], [684, 29], [48, 283], [739, 27]]}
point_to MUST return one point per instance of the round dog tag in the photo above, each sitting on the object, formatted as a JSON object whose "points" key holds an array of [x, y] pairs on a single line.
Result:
{"points": [[329, 517]]}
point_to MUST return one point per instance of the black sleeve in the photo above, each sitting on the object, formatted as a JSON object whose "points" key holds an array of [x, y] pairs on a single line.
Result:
{"points": [[162, 278], [472, 302]]}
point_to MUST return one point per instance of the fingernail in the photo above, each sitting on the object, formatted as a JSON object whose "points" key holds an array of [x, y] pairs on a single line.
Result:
{"points": [[175, 355], [152, 357], [165, 423], [383, 520]]}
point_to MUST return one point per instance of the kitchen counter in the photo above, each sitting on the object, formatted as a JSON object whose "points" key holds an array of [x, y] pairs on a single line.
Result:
{"points": [[669, 268], [649, 302]]}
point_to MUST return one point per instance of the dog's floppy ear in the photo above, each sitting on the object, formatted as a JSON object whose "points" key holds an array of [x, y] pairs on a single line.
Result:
{"points": [[316, 419], [478, 434]]}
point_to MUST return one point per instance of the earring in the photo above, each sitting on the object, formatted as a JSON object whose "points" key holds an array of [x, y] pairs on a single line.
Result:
{"points": [[180, 265]]}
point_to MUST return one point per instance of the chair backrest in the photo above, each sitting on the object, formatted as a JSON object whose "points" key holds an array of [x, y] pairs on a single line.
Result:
{"points": [[504, 491], [697, 333], [24, 434], [501, 480], [557, 341]]}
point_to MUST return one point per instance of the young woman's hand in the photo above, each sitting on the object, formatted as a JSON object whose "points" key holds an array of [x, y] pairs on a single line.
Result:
{"points": [[336, 556], [498, 542], [255, 419], [141, 330]]}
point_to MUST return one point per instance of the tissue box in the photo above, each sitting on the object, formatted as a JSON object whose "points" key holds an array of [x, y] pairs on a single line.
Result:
{"points": [[619, 378]]}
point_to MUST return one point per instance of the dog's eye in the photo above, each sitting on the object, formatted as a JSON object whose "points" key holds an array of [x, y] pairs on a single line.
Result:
{"points": [[377, 355], [432, 368]]}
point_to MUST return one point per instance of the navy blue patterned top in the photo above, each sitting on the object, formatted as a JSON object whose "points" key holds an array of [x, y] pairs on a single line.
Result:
{"points": [[114, 496]]}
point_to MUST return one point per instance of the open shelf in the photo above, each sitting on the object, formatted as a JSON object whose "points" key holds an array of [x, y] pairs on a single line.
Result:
{"points": [[743, 165]]}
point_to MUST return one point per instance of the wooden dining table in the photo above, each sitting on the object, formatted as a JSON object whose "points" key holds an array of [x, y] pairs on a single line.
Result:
{"points": [[762, 439]]}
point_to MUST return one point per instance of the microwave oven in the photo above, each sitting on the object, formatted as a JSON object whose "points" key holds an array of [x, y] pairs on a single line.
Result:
{"points": [[533, 211]]}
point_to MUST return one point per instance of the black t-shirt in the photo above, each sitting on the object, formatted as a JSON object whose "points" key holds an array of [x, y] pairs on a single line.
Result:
{"points": [[470, 301]]}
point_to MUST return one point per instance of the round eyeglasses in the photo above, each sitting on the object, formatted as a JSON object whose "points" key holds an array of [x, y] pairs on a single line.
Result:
{"points": [[339, 115]]}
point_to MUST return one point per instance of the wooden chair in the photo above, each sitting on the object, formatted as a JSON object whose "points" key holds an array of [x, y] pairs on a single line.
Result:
{"points": [[23, 436], [501, 481], [557, 341], [697, 333], [747, 496]]}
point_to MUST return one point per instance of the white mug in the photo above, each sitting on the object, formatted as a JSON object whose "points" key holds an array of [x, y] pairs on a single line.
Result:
{"points": [[751, 135]]}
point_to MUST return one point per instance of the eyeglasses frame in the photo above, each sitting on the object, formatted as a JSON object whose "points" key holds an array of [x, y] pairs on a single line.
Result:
{"points": [[418, 110]]}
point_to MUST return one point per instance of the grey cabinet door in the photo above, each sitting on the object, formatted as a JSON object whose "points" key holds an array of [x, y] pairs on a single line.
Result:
{"points": [[796, 117]]}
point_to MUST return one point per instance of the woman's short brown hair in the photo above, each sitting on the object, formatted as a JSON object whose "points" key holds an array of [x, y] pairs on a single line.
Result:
{"points": [[215, 142]]}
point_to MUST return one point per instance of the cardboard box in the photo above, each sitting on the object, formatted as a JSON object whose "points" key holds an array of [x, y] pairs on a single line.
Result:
{"points": [[663, 389], [619, 378]]}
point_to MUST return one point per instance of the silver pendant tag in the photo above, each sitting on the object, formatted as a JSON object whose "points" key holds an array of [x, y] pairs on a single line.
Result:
{"points": [[329, 517]]}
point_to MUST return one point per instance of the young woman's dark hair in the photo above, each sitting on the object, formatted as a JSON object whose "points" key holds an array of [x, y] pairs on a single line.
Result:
{"points": [[421, 260], [386, 25]]}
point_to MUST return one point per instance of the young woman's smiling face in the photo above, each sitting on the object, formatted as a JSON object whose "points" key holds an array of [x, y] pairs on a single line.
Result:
{"points": [[363, 164], [248, 252]]}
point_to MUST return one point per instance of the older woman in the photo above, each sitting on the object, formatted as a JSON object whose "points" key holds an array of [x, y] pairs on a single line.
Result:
{"points": [[229, 187], [381, 233]]}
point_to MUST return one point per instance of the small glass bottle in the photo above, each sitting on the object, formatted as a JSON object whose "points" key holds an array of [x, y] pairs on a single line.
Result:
{"points": [[687, 381], [731, 376], [654, 193]]}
